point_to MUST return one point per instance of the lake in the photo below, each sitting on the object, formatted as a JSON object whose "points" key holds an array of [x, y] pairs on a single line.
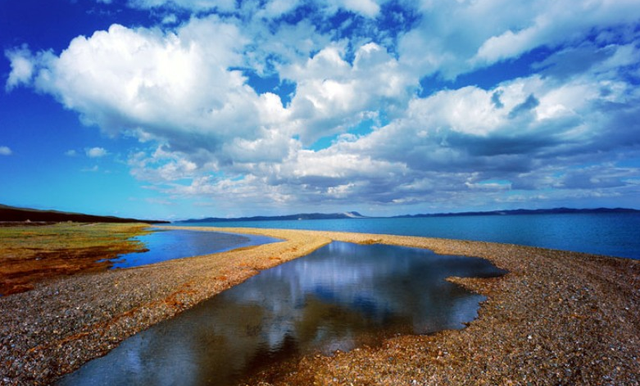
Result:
{"points": [[175, 244], [341, 296], [612, 234]]}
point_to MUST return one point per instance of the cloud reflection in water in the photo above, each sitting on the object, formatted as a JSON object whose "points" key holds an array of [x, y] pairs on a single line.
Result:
{"points": [[339, 297]]}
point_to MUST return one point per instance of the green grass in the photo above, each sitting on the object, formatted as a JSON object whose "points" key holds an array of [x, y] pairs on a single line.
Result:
{"points": [[64, 236]]}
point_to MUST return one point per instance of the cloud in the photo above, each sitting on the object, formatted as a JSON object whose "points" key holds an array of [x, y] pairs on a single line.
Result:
{"points": [[196, 96], [366, 8], [556, 24], [22, 67], [180, 89], [161, 166], [194, 5], [95, 152], [4, 150], [173, 88], [269, 9], [452, 38], [529, 104], [602, 176], [457, 140], [93, 169], [170, 19], [276, 8], [589, 57], [333, 95]]}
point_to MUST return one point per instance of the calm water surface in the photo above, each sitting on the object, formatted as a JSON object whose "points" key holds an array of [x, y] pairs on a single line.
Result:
{"points": [[338, 297], [175, 244], [613, 234]]}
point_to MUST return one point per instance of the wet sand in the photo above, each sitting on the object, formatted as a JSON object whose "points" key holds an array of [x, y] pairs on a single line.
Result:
{"points": [[556, 318]]}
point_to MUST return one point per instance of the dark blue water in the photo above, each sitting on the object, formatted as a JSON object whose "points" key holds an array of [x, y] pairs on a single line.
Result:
{"points": [[606, 234], [175, 244], [339, 297]]}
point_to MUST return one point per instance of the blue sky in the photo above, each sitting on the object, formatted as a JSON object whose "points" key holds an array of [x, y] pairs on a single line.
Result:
{"points": [[177, 109]]}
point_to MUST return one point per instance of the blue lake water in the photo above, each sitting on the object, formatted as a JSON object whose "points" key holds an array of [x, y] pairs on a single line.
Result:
{"points": [[175, 244], [610, 234], [339, 297]]}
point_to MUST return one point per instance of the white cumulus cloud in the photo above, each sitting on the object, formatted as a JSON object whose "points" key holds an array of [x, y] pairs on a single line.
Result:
{"points": [[333, 95], [22, 67], [194, 96], [95, 152], [173, 88], [455, 37]]}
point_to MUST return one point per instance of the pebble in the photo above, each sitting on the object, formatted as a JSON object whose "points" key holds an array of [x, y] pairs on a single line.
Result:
{"points": [[47, 336]]}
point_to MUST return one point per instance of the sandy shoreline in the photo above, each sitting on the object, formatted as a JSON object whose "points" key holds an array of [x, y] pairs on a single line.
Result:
{"points": [[556, 318]]}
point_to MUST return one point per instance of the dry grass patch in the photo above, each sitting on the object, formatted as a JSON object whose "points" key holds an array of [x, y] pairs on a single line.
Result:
{"points": [[30, 254]]}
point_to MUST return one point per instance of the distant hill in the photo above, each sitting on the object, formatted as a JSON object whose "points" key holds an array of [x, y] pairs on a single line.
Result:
{"points": [[356, 215], [300, 216], [524, 211], [13, 214]]}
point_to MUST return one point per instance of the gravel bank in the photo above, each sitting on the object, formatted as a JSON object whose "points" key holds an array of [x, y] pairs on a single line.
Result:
{"points": [[556, 318]]}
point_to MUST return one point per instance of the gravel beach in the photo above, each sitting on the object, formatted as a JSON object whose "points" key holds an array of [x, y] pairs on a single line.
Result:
{"points": [[555, 318]]}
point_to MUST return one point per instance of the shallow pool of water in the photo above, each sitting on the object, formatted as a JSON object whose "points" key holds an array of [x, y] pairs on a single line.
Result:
{"points": [[165, 245], [341, 296]]}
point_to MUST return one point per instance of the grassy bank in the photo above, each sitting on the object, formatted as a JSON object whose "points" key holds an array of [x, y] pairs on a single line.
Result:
{"points": [[33, 253]]}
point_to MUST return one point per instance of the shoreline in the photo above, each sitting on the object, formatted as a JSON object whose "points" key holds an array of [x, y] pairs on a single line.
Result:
{"points": [[557, 317]]}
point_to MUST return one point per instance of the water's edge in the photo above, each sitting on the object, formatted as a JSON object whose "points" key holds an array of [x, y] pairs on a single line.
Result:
{"points": [[300, 287], [608, 234]]}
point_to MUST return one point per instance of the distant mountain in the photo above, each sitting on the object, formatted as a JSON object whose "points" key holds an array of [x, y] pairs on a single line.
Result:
{"points": [[356, 215], [300, 216], [13, 214], [524, 211]]}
